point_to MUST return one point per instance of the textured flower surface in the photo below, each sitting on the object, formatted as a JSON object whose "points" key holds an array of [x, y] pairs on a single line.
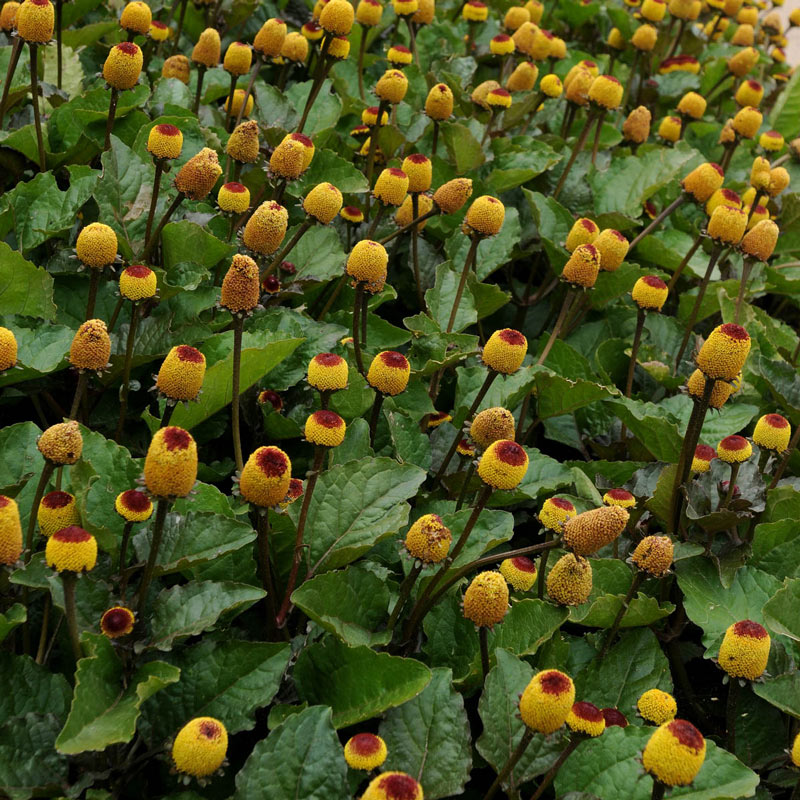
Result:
{"points": [[745, 650], [657, 706], [200, 747], [547, 701], [674, 753]]}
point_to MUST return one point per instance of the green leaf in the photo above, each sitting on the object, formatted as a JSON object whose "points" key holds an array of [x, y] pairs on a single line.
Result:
{"points": [[601, 612], [185, 237], [19, 456], [428, 738], [301, 759], [668, 247], [350, 603], [554, 223], [492, 252], [196, 607], [782, 691], [502, 727], [328, 167], [106, 707], [450, 639], [192, 539], [12, 618], [356, 682], [556, 395], [781, 612], [604, 764], [324, 112], [463, 148], [225, 680], [36, 689], [256, 361], [29, 763], [544, 476], [519, 161], [775, 549], [318, 256], [785, 114], [652, 426], [441, 299], [25, 289], [355, 506]]}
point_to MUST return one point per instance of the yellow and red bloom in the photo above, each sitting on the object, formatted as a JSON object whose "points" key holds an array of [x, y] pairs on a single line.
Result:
{"points": [[233, 198], [71, 549], [437, 419], [61, 443], [734, 449], [747, 122], [419, 170], [35, 21], [606, 91], [389, 373], [56, 511], [399, 55], [393, 785], [583, 231], [547, 701], [704, 454], [703, 181], [367, 262], [719, 394], [323, 203], [369, 13], [294, 492], [164, 141], [569, 581], [137, 282], [586, 533], [749, 93], [10, 531], [505, 351], [503, 465], [133, 506], [266, 228], [723, 354], [465, 448], [519, 572], [428, 539], [555, 512], [723, 197], [486, 599], [91, 346], [692, 105], [502, 45], [265, 477], [8, 15], [619, 497], [745, 650], [200, 747], [491, 425], [583, 266], [657, 706], [498, 98], [117, 622], [654, 555], [475, 11], [170, 466], [523, 78], [759, 242], [136, 17], [208, 48], [325, 429], [613, 247], [392, 86], [288, 159], [8, 349], [272, 397], [772, 141], [353, 215], [439, 102], [176, 67], [123, 66], [365, 751], [270, 38], [551, 86], [772, 432], [327, 372], [636, 127], [586, 718], [182, 373], [391, 187], [680, 63], [674, 753], [669, 129]]}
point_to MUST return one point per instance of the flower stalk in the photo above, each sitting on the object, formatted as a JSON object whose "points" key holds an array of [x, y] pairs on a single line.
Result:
{"points": [[112, 113], [553, 771], [747, 266], [612, 631], [374, 417], [126, 371], [405, 591], [676, 203], [37, 119], [159, 163], [201, 74], [591, 117], [508, 767], [16, 52], [731, 484], [413, 224], [238, 329], [359, 299], [556, 332], [468, 263], [152, 243]]}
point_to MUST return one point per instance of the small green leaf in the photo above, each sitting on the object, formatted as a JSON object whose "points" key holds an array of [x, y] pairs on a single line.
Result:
{"points": [[782, 691], [36, 689], [188, 238], [29, 762], [328, 167], [19, 456], [25, 289], [12, 618], [782, 610], [464, 149]]}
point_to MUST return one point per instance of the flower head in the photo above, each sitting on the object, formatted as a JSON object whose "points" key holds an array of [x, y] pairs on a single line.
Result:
{"points": [[136, 17], [503, 465], [719, 394], [723, 354], [759, 242], [569, 582], [586, 533], [238, 58], [61, 443], [747, 122], [8, 15], [451, 196], [613, 247], [669, 129], [692, 105], [551, 86], [391, 187], [486, 599], [327, 372], [502, 45], [577, 89], [117, 622], [772, 432], [35, 21], [606, 91], [266, 228], [271, 397], [491, 425], [653, 555], [405, 214], [523, 78], [10, 531], [200, 747], [265, 477], [795, 752], [369, 13], [295, 47], [428, 539], [233, 198], [505, 351], [644, 38], [389, 372], [240, 286], [325, 428], [123, 66], [475, 11], [288, 159], [56, 511], [586, 718], [312, 31], [657, 707], [393, 786], [745, 650], [170, 466], [368, 261], [196, 178], [498, 98], [339, 47], [270, 37], [208, 48], [392, 86], [235, 107], [399, 55], [727, 225], [133, 506], [674, 753], [439, 102], [636, 127], [353, 215], [485, 216], [164, 141], [704, 454], [650, 293], [771, 141], [555, 512], [547, 700], [91, 346], [243, 143], [743, 61], [71, 549], [365, 751], [749, 93], [466, 448], [654, 10], [614, 718], [96, 245], [519, 572], [583, 266], [425, 13], [583, 231], [779, 180], [8, 349], [723, 197], [516, 16], [182, 373], [619, 497], [734, 449]]}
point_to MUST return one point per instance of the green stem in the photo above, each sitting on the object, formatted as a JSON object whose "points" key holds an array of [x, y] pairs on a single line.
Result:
{"points": [[37, 119], [676, 203], [112, 113], [362, 49], [68, 579], [123, 548], [405, 591], [278, 259], [16, 51], [44, 479], [376, 219], [731, 484], [374, 417], [578, 146], [359, 299], [152, 244], [502, 776], [785, 460], [612, 632], [162, 507], [201, 74], [597, 131], [319, 79], [126, 371], [40, 650], [637, 340], [462, 495], [468, 262], [59, 35], [540, 577], [181, 16], [249, 90], [554, 334], [94, 282], [265, 566], [435, 143], [83, 379], [686, 259], [413, 224], [154, 199], [747, 266], [238, 328], [231, 93], [415, 249], [373, 148]]}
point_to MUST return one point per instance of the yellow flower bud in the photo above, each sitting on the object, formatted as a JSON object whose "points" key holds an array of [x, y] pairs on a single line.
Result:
{"points": [[674, 753], [265, 477], [657, 707], [337, 17], [238, 99], [743, 36], [238, 58], [399, 56], [288, 159], [551, 86], [451, 196], [606, 91], [516, 16], [747, 122], [240, 286], [158, 31], [295, 47], [133, 506], [654, 10], [613, 247], [339, 47], [669, 129], [616, 39], [644, 38], [727, 225], [325, 428], [182, 373], [569, 582], [428, 540], [35, 21], [10, 531], [327, 372], [636, 127], [61, 443], [391, 187], [692, 105], [503, 465], [742, 62], [56, 511], [8, 349], [650, 293], [536, 11], [164, 141], [96, 245], [723, 197], [365, 751], [588, 532], [519, 572], [353, 215], [196, 178], [501, 45], [270, 37], [703, 456], [122, 66], [243, 143], [505, 351], [71, 549], [200, 747], [323, 202], [547, 701], [405, 8], [266, 228], [425, 13], [583, 231], [170, 466], [492, 425], [653, 555], [475, 11], [91, 346], [369, 13], [486, 599], [117, 622], [619, 497], [582, 266], [523, 78], [747, 16], [136, 17], [392, 87], [393, 786], [795, 754], [760, 241], [734, 449], [389, 372], [419, 170], [312, 32], [555, 512], [485, 216], [771, 141], [233, 198], [577, 90], [8, 15], [367, 261], [498, 99], [723, 354], [719, 395], [583, 717]]}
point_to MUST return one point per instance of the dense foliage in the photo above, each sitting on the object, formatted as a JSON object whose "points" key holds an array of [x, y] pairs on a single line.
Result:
{"points": [[507, 505]]}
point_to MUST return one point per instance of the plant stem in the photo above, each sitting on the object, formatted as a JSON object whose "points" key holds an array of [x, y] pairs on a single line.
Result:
{"points": [[562, 315], [151, 245], [553, 771], [468, 262], [686, 259], [231, 93], [94, 281], [112, 113], [676, 41], [362, 49], [278, 259], [746, 267], [731, 484], [319, 79], [487, 131], [162, 507], [115, 315], [487, 382], [126, 371], [484, 645], [676, 203], [249, 90], [123, 548], [415, 249], [733, 702], [540, 577], [44, 629], [412, 39], [727, 154], [68, 579], [631, 74], [502, 776], [374, 417], [332, 299], [715, 254], [359, 299], [83, 379], [785, 460], [265, 567], [44, 479], [37, 120], [169, 410], [637, 340], [435, 143], [578, 146], [597, 131], [612, 632], [59, 35], [413, 224], [376, 220], [201, 74], [373, 147], [16, 51], [462, 495], [154, 199], [405, 591], [319, 456], [658, 790], [238, 328]]}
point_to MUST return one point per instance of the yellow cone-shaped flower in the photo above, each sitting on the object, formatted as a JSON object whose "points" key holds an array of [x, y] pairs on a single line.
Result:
{"points": [[674, 753], [486, 599], [208, 48], [586, 718], [393, 786], [136, 17], [583, 231], [170, 467], [123, 66], [240, 286], [327, 372], [772, 432], [35, 21], [198, 175], [745, 650], [657, 707], [653, 555], [519, 572], [555, 512], [243, 145], [266, 228], [200, 747], [583, 266], [586, 533], [367, 261], [96, 245], [365, 751], [547, 701], [485, 216], [612, 247], [325, 428], [723, 354], [91, 346], [389, 373], [428, 539], [491, 425], [182, 373], [503, 465], [133, 506], [61, 443], [505, 351], [56, 511], [8, 349], [569, 581], [650, 293], [265, 477], [10, 531], [451, 196], [71, 549], [269, 39], [165, 141]]}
